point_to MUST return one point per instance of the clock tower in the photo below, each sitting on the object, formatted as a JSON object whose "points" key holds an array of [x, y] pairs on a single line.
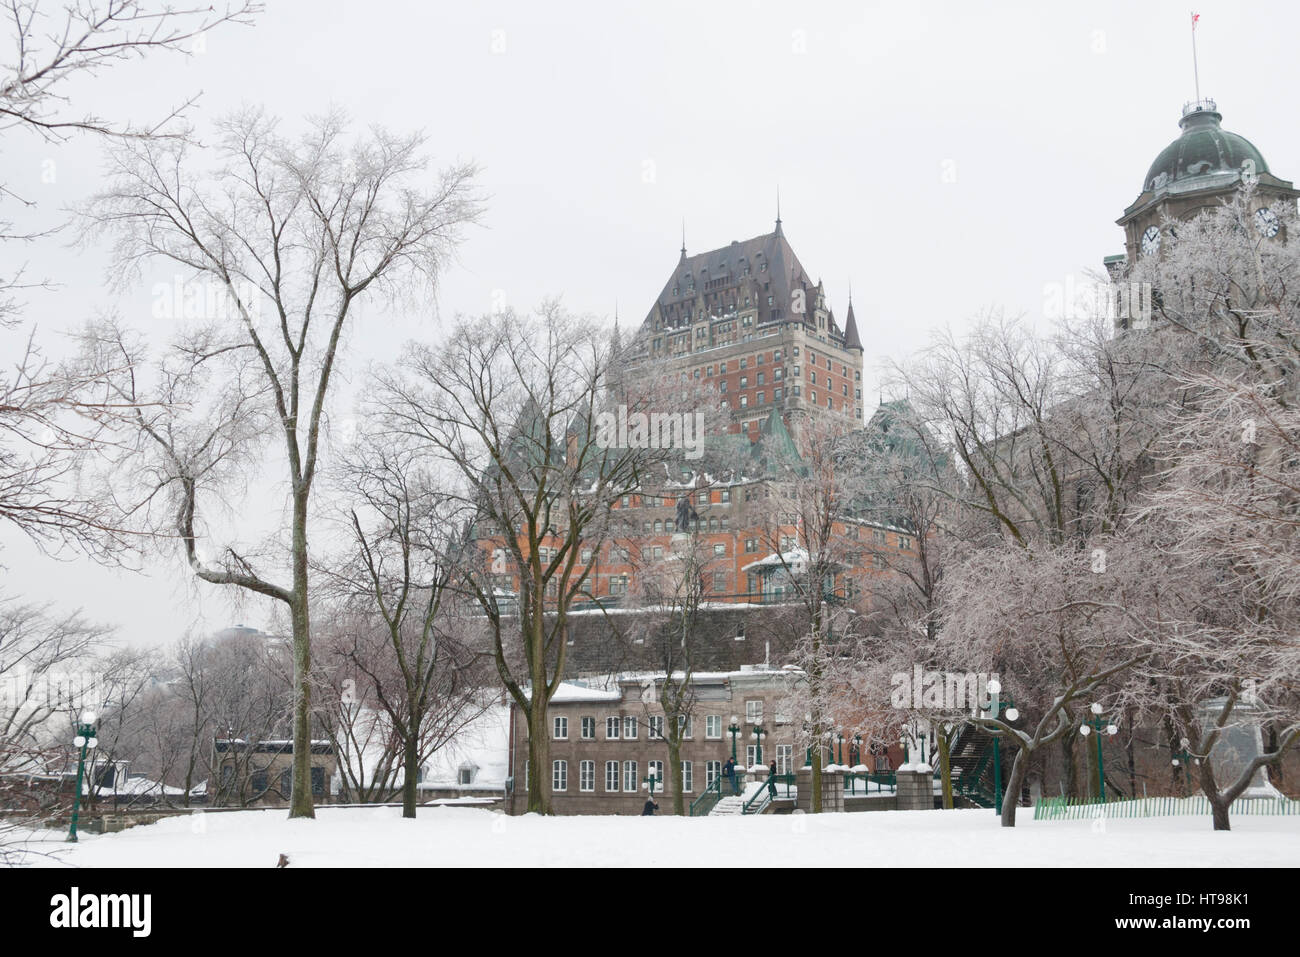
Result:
{"points": [[1197, 171]]}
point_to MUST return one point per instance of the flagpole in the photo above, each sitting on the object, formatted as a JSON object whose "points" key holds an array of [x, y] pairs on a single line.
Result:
{"points": [[1196, 73]]}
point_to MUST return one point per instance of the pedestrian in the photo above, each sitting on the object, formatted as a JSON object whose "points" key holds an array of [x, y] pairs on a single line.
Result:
{"points": [[729, 772], [650, 808], [771, 780]]}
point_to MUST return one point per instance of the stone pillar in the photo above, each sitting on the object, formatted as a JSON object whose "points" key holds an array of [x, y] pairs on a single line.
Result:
{"points": [[832, 790], [915, 790]]}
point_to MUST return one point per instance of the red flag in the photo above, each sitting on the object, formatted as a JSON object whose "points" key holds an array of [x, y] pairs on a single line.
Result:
{"points": [[1195, 17]]}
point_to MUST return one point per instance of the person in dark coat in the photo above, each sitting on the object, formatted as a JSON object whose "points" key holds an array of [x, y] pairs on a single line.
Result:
{"points": [[771, 780], [729, 772], [650, 808]]}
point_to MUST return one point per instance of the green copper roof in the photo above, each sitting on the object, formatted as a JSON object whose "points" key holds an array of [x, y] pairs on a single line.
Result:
{"points": [[1204, 148]]}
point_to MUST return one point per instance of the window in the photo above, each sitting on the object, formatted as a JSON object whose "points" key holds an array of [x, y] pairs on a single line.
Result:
{"points": [[744, 402], [286, 782], [725, 496], [712, 771], [559, 775], [751, 755], [759, 381], [629, 727], [654, 726], [629, 776], [812, 378], [754, 711], [686, 723], [611, 775], [618, 585], [720, 548], [655, 768], [713, 726], [776, 395], [760, 398], [777, 375], [586, 555], [611, 729], [783, 758], [751, 545], [258, 781], [688, 777], [561, 729], [702, 498], [588, 729], [744, 382], [587, 776]]}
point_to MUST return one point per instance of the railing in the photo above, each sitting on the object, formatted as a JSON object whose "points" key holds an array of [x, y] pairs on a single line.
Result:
{"points": [[764, 793], [715, 792], [1067, 809], [856, 783]]}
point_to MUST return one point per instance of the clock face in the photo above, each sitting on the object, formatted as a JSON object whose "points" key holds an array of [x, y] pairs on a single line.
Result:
{"points": [[1151, 241], [1266, 222]]}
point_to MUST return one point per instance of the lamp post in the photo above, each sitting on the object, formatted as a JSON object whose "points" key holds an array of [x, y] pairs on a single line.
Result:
{"points": [[839, 750], [651, 780], [735, 730], [1184, 760], [997, 706], [855, 756], [85, 740], [759, 731], [1101, 726]]}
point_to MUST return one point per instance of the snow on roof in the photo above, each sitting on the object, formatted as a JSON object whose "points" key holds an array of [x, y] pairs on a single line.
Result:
{"points": [[795, 558], [569, 691], [482, 744]]}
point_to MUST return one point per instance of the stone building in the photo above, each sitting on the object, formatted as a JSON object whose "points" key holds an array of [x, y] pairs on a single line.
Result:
{"points": [[1204, 166], [749, 317], [261, 772], [606, 738]]}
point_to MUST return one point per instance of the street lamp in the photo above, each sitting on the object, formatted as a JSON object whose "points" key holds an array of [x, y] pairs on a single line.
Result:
{"points": [[735, 730], [855, 756], [999, 707], [85, 740], [1185, 761], [839, 750], [651, 780], [758, 738], [1101, 726]]}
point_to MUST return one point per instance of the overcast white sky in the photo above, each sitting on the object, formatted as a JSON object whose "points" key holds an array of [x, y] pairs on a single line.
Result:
{"points": [[944, 158]]}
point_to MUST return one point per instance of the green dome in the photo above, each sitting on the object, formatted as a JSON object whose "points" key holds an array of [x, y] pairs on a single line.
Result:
{"points": [[1204, 149]]}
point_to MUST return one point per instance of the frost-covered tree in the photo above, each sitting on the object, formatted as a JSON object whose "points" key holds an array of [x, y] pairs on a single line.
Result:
{"points": [[295, 236]]}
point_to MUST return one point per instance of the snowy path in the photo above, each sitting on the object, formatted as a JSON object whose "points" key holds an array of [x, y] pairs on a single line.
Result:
{"points": [[461, 837]]}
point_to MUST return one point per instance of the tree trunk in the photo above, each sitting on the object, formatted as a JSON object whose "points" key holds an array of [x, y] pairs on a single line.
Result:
{"points": [[1220, 809], [300, 800], [945, 770], [815, 801], [1069, 769], [1019, 768], [675, 774], [411, 768], [539, 753]]}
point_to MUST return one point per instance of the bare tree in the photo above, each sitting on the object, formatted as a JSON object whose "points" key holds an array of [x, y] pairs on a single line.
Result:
{"points": [[513, 404], [400, 584], [813, 483], [294, 235]]}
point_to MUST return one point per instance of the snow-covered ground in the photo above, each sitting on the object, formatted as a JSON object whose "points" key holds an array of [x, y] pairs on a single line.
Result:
{"points": [[473, 837]]}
